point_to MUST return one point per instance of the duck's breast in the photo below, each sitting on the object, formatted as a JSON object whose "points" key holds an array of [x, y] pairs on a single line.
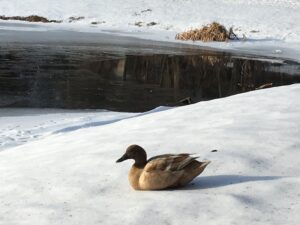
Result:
{"points": [[134, 177], [156, 180]]}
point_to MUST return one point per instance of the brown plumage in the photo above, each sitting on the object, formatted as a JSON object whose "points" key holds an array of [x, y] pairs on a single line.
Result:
{"points": [[162, 171]]}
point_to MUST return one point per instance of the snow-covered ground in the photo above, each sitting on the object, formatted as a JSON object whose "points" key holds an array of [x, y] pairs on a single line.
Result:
{"points": [[58, 166], [18, 126], [69, 176], [269, 25]]}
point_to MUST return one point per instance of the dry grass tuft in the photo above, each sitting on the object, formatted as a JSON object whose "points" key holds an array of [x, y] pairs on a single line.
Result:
{"points": [[32, 18], [210, 32], [73, 18]]}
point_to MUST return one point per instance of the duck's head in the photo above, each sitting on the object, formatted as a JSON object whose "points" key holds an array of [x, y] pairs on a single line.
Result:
{"points": [[135, 152]]}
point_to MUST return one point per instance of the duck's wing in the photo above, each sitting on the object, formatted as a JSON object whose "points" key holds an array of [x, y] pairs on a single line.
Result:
{"points": [[164, 171], [168, 155], [169, 162]]}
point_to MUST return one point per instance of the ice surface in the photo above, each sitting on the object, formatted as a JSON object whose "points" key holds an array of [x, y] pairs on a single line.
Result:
{"points": [[271, 27]]}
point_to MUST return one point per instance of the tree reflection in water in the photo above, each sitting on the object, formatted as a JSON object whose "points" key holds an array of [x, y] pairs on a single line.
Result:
{"points": [[69, 78]]}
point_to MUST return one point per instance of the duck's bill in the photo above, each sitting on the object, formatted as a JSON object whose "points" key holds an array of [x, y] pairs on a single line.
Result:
{"points": [[124, 157]]}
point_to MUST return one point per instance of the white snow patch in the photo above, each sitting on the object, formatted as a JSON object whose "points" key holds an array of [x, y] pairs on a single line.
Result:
{"points": [[18, 126], [269, 25], [71, 177]]}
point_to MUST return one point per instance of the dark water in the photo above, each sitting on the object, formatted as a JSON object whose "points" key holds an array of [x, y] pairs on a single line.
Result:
{"points": [[90, 77]]}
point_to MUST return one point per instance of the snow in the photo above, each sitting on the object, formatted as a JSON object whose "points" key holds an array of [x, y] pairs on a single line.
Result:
{"points": [[70, 176], [271, 26], [19, 126], [58, 166]]}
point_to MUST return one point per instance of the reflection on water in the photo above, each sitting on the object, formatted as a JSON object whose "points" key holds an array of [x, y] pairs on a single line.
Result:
{"points": [[71, 77]]}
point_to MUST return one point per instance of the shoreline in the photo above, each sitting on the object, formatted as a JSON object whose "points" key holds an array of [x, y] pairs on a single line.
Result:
{"points": [[150, 42]]}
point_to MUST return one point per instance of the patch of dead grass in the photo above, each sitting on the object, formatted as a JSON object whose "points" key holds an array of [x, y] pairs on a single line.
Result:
{"points": [[210, 32], [74, 19], [31, 18]]}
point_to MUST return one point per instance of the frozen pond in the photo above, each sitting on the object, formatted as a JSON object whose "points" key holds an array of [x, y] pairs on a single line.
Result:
{"points": [[63, 70]]}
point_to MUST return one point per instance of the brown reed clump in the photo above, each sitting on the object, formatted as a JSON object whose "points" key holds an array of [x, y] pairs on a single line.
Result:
{"points": [[210, 32], [32, 18]]}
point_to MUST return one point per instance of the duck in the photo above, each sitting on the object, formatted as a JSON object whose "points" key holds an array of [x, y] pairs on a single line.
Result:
{"points": [[162, 171]]}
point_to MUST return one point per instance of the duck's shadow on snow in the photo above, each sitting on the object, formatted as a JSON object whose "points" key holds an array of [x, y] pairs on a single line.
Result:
{"points": [[225, 180]]}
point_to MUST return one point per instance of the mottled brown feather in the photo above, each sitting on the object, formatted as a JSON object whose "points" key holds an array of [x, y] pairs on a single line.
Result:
{"points": [[169, 162]]}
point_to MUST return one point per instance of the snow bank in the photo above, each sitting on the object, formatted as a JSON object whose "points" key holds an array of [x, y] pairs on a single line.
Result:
{"points": [[21, 125], [269, 25], [70, 177], [256, 19]]}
